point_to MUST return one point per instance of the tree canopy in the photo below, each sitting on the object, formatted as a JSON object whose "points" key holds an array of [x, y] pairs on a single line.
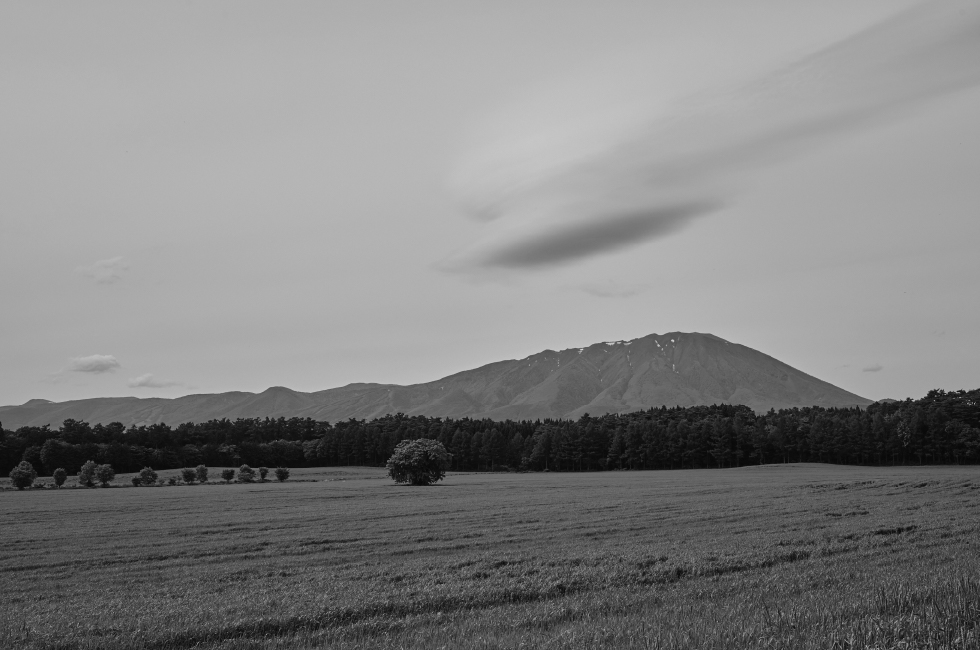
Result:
{"points": [[23, 475], [418, 462]]}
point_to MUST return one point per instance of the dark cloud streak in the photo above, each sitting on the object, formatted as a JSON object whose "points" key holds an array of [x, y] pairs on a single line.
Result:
{"points": [[611, 233], [555, 208]]}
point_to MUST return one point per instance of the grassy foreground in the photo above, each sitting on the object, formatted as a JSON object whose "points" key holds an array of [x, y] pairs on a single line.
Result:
{"points": [[783, 556]]}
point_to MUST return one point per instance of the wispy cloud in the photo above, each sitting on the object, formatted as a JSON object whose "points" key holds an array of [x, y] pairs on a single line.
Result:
{"points": [[96, 364], [104, 271], [148, 381], [877, 367], [614, 181]]}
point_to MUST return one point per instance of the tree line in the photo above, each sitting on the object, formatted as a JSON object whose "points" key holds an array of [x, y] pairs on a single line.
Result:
{"points": [[940, 428], [23, 475]]}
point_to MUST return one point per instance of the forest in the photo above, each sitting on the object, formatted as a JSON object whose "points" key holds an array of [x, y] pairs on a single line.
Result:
{"points": [[940, 428]]}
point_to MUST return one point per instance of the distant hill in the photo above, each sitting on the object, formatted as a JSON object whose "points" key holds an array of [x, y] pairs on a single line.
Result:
{"points": [[612, 377]]}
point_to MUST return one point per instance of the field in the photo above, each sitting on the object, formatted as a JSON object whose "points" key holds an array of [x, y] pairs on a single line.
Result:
{"points": [[781, 556]]}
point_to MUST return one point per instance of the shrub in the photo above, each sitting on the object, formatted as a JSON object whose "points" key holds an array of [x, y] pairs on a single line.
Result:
{"points": [[105, 474], [189, 475], [136, 480], [227, 475], [59, 476], [86, 475], [202, 473], [23, 475], [246, 474], [263, 472], [172, 480], [282, 473], [148, 476], [418, 462]]}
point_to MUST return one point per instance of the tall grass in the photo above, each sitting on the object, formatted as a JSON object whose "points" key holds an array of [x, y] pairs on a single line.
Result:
{"points": [[785, 557]]}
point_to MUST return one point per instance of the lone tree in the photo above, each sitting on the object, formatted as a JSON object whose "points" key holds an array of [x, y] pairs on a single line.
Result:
{"points": [[418, 462], [23, 475], [105, 474], [227, 475], [263, 472], [59, 476], [202, 474], [246, 474], [189, 475], [282, 473]]}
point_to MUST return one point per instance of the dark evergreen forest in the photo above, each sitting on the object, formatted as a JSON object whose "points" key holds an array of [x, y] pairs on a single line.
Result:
{"points": [[941, 428]]}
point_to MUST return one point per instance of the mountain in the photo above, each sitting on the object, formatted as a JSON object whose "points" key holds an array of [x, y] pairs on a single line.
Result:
{"points": [[612, 377]]}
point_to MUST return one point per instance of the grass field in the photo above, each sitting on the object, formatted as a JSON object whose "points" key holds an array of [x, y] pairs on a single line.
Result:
{"points": [[783, 556]]}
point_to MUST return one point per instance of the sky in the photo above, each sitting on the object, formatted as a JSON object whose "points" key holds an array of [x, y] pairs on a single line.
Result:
{"points": [[204, 197]]}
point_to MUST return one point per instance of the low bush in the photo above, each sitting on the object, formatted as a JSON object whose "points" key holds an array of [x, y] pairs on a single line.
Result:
{"points": [[282, 473], [172, 480], [246, 474], [136, 480], [227, 475], [23, 475], [189, 475], [202, 473], [263, 472], [148, 476]]}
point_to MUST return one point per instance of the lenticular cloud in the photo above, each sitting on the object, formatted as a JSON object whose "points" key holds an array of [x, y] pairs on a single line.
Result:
{"points": [[622, 180]]}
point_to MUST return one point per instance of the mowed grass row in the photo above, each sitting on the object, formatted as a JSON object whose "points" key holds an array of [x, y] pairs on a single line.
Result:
{"points": [[788, 556]]}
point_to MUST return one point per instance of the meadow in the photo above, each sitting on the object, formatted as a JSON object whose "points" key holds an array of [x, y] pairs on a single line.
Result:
{"points": [[776, 556]]}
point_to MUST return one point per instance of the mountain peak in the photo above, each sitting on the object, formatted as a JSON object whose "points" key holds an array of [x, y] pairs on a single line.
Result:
{"points": [[672, 369], [274, 390]]}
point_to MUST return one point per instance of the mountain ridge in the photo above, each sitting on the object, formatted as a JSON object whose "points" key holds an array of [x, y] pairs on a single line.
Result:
{"points": [[673, 369]]}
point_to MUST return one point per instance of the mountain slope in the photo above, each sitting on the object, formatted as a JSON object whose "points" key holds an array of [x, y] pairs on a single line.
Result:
{"points": [[612, 377]]}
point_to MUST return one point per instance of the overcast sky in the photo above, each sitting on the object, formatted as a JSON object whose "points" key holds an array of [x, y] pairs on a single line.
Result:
{"points": [[203, 197]]}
